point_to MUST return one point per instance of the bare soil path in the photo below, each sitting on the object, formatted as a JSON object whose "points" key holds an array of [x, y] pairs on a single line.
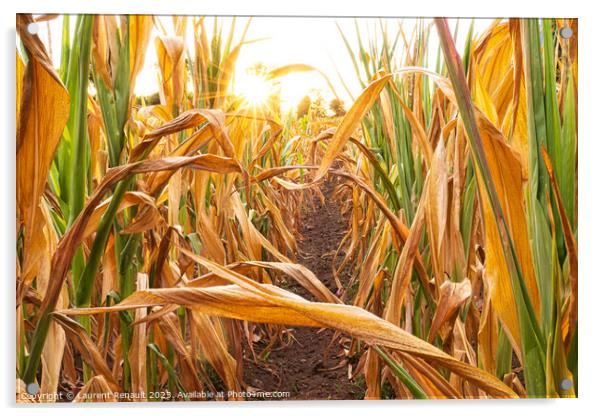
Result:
{"points": [[310, 367]]}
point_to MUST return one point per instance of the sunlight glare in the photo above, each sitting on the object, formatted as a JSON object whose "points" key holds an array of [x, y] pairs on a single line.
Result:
{"points": [[254, 89], [294, 87]]}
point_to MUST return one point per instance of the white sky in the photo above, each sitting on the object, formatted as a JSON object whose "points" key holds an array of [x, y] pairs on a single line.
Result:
{"points": [[313, 41]]}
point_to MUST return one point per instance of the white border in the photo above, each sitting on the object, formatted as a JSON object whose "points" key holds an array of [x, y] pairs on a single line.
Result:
{"points": [[590, 192]]}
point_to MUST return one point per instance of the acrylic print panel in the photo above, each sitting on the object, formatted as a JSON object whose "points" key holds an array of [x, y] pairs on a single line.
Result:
{"points": [[287, 208]]}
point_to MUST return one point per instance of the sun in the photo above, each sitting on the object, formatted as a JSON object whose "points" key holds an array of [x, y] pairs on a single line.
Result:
{"points": [[254, 89]]}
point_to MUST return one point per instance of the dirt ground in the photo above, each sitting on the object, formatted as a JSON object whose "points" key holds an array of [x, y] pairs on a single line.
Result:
{"points": [[312, 366]]}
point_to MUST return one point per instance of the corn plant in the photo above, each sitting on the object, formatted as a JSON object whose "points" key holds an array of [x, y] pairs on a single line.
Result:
{"points": [[156, 241]]}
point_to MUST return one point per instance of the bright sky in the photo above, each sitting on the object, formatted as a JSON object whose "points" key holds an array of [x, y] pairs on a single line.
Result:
{"points": [[314, 41]]}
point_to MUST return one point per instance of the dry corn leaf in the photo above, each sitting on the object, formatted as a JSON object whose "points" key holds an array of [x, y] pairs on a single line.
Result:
{"points": [[137, 352], [452, 295], [252, 301], [350, 122], [96, 390], [436, 210], [86, 347], [43, 113]]}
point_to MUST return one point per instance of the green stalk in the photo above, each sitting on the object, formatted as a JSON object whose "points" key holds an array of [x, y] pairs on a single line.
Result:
{"points": [[173, 377], [80, 133], [38, 340], [503, 356], [65, 48], [467, 47], [551, 101], [536, 119], [567, 162], [402, 374], [86, 283], [114, 106], [539, 230], [543, 121]]}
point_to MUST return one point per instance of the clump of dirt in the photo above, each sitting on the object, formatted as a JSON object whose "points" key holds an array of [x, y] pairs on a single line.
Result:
{"points": [[312, 366]]}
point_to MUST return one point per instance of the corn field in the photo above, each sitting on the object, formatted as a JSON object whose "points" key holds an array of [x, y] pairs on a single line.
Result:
{"points": [[419, 244]]}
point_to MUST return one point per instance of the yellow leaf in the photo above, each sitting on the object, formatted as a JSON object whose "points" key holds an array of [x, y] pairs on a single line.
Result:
{"points": [[509, 180], [170, 56], [350, 122], [436, 209], [140, 30]]}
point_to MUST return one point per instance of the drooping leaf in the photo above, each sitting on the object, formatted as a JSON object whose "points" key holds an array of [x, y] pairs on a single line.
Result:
{"points": [[43, 113]]}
